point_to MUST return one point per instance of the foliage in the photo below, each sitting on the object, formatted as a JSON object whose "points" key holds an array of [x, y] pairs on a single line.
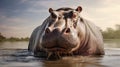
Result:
{"points": [[3, 38], [17, 39], [110, 33]]}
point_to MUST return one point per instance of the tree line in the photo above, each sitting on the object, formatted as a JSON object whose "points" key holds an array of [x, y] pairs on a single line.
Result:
{"points": [[3, 38], [111, 33]]}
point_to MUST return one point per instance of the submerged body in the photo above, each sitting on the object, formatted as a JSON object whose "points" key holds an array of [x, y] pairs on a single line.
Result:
{"points": [[65, 32]]}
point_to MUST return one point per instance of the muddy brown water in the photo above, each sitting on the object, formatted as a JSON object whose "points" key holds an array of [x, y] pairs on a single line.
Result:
{"points": [[15, 54]]}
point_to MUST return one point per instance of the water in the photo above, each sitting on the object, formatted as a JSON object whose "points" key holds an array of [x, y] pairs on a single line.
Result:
{"points": [[112, 43], [14, 45], [15, 54], [24, 44]]}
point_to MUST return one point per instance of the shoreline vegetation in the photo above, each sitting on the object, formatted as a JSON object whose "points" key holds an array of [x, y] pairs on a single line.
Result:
{"points": [[111, 33], [3, 38], [108, 34]]}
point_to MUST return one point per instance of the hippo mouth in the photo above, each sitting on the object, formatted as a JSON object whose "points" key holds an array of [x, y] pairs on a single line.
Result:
{"points": [[60, 45], [58, 48], [58, 52]]}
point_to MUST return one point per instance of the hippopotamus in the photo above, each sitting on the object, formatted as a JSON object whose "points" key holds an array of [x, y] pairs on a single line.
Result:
{"points": [[66, 32]]}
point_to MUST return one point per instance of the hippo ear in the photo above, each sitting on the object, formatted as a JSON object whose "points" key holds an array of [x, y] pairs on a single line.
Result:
{"points": [[50, 10], [79, 9], [52, 13]]}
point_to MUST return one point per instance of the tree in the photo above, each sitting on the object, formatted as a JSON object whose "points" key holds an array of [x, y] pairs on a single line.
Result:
{"points": [[2, 37], [111, 33], [117, 27]]}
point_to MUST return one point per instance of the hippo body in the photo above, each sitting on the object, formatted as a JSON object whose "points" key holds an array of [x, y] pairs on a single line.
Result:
{"points": [[65, 32]]}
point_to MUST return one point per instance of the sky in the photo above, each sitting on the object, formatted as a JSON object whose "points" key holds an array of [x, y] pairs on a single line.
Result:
{"points": [[18, 18]]}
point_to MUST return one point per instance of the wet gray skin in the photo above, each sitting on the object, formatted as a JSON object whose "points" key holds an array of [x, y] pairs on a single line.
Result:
{"points": [[64, 32]]}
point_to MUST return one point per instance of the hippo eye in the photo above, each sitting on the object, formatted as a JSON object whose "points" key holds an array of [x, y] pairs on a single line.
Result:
{"points": [[72, 14]]}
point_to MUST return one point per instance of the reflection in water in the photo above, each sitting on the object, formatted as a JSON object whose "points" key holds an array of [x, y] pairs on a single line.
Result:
{"points": [[79, 61], [15, 54], [112, 44], [20, 58]]}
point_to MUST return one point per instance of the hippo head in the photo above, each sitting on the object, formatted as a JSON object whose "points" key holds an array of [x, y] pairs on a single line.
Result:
{"points": [[61, 34]]}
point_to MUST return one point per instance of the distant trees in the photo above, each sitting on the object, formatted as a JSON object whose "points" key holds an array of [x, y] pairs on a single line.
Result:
{"points": [[17, 39], [3, 38], [111, 33], [25, 39]]}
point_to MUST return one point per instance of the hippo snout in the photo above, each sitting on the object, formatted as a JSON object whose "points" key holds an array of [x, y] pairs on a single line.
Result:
{"points": [[57, 40]]}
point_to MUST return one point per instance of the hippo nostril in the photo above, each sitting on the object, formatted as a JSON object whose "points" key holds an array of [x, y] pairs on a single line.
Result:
{"points": [[47, 30], [67, 30]]}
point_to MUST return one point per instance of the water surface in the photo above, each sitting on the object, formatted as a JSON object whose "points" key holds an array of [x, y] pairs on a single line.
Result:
{"points": [[15, 54]]}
